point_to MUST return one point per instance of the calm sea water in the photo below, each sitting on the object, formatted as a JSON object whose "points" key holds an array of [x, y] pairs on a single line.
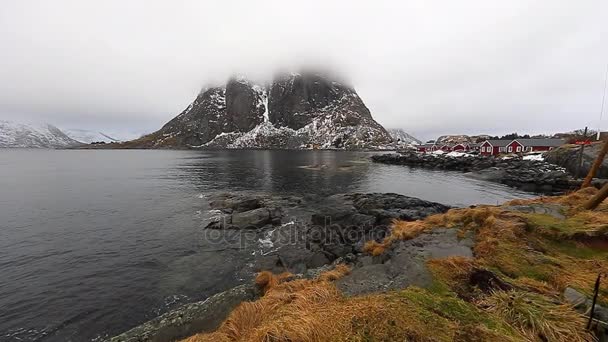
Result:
{"points": [[93, 243]]}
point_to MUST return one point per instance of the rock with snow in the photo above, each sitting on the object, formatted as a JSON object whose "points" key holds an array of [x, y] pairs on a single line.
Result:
{"points": [[401, 137], [306, 110], [454, 139], [536, 156], [33, 135]]}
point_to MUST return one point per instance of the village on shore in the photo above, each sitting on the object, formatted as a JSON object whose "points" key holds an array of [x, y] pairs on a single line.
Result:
{"points": [[513, 143]]}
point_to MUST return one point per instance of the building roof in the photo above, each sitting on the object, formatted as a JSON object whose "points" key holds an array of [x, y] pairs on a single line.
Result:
{"points": [[499, 143], [541, 142]]}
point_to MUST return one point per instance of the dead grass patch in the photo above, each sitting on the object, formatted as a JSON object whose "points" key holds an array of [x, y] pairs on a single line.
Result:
{"points": [[537, 317]]}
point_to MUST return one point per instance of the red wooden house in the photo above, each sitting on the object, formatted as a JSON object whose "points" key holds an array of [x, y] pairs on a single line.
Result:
{"points": [[426, 148], [493, 147], [532, 145], [461, 147]]}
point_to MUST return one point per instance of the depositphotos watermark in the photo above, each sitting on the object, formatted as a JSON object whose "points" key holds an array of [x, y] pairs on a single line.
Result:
{"points": [[294, 232]]}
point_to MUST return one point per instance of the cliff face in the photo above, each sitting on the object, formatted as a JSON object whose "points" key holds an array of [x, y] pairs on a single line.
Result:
{"points": [[294, 111]]}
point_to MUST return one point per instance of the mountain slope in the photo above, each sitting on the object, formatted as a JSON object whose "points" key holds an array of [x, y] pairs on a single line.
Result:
{"points": [[294, 111], [402, 137], [33, 135], [86, 136]]}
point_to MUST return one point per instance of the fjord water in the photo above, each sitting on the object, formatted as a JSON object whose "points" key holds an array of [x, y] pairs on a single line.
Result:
{"points": [[93, 243]]}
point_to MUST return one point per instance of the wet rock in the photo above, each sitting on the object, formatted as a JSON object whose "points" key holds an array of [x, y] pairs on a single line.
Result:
{"points": [[255, 218], [295, 259], [243, 211], [190, 319]]}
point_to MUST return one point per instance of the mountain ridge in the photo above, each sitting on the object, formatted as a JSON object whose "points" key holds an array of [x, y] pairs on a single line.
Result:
{"points": [[33, 135]]}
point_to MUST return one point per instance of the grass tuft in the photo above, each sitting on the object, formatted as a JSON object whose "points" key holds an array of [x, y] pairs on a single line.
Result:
{"points": [[537, 317]]}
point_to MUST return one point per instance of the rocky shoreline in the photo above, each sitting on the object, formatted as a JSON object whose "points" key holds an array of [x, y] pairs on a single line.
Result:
{"points": [[529, 175], [306, 236]]}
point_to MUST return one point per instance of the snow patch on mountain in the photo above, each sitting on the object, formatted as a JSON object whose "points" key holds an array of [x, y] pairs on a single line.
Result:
{"points": [[33, 135], [87, 136], [401, 137]]}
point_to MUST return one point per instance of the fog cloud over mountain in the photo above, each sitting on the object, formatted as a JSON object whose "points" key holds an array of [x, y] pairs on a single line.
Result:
{"points": [[431, 67]]}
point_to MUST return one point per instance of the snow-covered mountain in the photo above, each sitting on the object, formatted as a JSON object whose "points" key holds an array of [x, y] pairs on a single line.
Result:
{"points": [[307, 110], [33, 135], [87, 136], [401, 137]]}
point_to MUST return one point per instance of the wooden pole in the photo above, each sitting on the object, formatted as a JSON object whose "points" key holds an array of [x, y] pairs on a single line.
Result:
{"points": [[596, 290], [596, 165], [594, 201], [580, 156]]}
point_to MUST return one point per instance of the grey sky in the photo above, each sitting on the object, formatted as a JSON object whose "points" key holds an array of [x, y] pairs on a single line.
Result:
{"points": [[430, 67]]}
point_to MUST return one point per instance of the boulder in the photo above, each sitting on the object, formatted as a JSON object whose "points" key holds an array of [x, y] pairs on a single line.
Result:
{"points": [[405, 263], [255, 218]]}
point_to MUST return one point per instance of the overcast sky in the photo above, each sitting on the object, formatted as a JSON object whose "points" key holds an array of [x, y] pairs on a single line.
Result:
{"points": [[430, 67]]}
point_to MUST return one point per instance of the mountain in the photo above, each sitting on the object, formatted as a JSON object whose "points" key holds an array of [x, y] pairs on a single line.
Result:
{"points": [[454, 139], [33, 135], [401, 137], [307, 110], [87, 136]]}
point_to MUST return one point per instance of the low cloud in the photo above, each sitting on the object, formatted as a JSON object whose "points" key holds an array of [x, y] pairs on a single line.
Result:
{"points": [[430, 67]]}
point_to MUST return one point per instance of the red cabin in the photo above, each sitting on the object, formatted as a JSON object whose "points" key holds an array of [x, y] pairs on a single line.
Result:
{"points": [[493, 147], [532, 145], [461, 147], [426, 148]]}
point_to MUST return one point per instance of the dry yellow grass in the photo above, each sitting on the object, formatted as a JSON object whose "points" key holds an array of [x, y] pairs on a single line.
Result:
{"points": [[537, 317], [400, 230]]}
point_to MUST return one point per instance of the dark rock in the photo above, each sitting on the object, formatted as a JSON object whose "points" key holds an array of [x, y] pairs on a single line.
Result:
{"points": [[295, 258], [529, 175], [318, 259], [487, 281], [568, 157], [256, 218]]}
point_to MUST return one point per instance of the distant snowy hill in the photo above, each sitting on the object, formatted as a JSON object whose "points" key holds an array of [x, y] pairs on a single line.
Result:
{"points": [[402, 137], [33, 135], [87, 136]]}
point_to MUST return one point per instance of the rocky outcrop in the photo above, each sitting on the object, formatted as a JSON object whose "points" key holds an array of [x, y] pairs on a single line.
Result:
{"points": [[405, 263], [298, 234], [567, 156], [307, 110], [305, 236], [401, 137], [530, 175]]}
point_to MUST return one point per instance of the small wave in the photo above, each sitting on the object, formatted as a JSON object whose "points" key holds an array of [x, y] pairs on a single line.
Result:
{"points": [[25, 334], [170, 302]]}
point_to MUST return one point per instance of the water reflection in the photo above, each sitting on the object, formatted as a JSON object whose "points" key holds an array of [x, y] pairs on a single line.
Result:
{"points": [[327, 172]]}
